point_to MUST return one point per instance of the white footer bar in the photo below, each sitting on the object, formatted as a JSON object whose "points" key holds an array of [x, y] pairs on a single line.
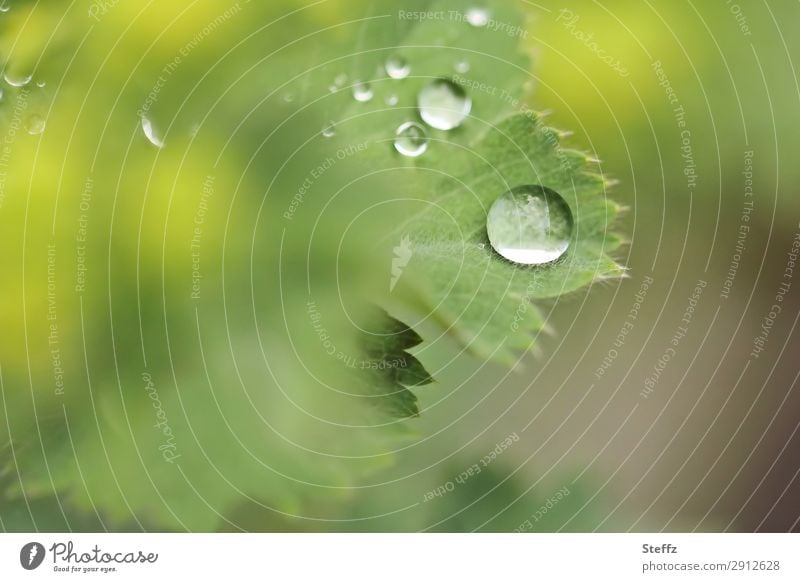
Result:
{"points": [[400, 557]]}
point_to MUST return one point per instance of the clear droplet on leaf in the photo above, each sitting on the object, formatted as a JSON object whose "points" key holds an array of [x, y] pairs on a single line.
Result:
{"points": [[397, 67], [35, 124], [530, 225], [329, 130], [362, 91], [443, 104], [17, 79], [477, 17], [411, 139], [150, 133], [462, 66], [392, 100]]}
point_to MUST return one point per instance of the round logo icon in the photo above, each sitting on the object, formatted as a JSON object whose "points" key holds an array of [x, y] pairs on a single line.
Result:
{"points": [[31, 555]]}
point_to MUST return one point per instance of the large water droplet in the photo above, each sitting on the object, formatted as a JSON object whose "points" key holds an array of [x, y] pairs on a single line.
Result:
{"points": [[329, 130], [5, 6], [35, 124], [397, 67], [477, 16], [443, 104], [150, 133], [17, 79], [530, 225], [411, 140], [362, 91]]}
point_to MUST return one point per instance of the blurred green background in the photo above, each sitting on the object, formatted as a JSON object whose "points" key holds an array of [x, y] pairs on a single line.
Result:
{"points": [[157, 364]]}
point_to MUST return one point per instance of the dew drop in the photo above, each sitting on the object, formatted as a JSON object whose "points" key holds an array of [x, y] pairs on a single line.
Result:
{"points": [[362, 91], [35, 124], [392, 100], [288, 97], [150, 133], [462, 66], [443, 104], [530, 225], [329, 130], [5, 6], [397, 67], [41, 84], [477, 17], [16, 79], [411, 140]]}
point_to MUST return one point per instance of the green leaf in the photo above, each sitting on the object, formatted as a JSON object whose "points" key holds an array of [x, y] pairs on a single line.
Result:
{"points": [[485, 301], [443, 196], [388, 370]]}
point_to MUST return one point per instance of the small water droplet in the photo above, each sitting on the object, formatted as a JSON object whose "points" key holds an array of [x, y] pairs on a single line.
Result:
{"points": [[392, 100], [477, 17], [530, 225], [397, 67], [340, 79], [333, 88], [288, 97], [17, 79], [411, 139], [150, 133], [362, 91], [462, 66], [329, 130], [41, 84], [35, 124], [443, 104]]}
